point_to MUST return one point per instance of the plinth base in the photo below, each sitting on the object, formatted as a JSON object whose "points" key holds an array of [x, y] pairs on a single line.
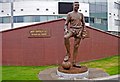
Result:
{"points": [[51, 74], [73, 72]]}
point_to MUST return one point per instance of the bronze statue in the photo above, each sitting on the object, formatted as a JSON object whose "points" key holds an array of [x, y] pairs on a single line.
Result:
{"points": [[77, 25]]}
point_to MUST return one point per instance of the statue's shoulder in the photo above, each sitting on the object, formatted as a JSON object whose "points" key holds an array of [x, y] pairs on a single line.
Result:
{"points": [[69, 13], [80, 13]]}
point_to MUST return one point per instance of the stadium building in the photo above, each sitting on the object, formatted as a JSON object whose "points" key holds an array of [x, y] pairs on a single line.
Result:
{"points": [[99, 14]]}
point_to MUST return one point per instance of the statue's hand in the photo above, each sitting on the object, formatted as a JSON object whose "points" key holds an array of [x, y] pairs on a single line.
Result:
{"points": [[66, 31], [80, 34], [84, 34]]}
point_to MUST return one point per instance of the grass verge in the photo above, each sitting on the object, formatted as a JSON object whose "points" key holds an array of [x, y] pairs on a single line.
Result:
{"points": [[109, 65]]}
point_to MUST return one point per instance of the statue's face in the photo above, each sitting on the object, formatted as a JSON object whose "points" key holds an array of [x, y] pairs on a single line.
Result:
{"points": [[76, 6]]}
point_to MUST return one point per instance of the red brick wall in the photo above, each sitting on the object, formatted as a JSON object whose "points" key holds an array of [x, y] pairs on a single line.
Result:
{"points": [[19, 49]]}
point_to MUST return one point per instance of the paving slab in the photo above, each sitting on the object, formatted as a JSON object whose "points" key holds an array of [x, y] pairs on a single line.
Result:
{"points": [[51, 74]]}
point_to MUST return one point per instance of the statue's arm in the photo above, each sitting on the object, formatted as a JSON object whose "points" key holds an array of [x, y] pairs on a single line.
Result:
{"points": [[83, 23], [83, 26], [66, 23]]}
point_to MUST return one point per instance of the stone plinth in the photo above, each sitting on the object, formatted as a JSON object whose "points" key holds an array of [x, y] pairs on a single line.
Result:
{"points": [[51, 74], [73, 72]]}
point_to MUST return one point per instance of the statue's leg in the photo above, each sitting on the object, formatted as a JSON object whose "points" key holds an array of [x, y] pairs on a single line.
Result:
{"points": [[75, 51], [67, 45]]}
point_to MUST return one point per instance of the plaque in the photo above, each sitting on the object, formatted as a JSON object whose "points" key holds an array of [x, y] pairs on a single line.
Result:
{"points": [[39, 33]]}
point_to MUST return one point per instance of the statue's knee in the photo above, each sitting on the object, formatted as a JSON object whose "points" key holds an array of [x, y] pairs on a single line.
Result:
{"points": [[65, 38], [76, 46]]}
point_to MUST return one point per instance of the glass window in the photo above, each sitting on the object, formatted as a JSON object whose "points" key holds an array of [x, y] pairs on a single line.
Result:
{"points": [[91, 1], [0, 19], [86, 1], [43, 18], [27, 18], [62, 16], [31, 18], [15, 19], [81, 0], [87, 19], [91, 19], [104, 21], [36, 19], [6, 20], [64, 7], [98, 8], [66, 0], [100, 3], [52, 17], [104, 9], [104, 3], [19, 19], [98, 20], [92, 8]]}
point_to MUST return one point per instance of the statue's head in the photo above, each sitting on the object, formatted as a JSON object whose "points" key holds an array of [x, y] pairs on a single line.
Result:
{"points": [[76, 6]]}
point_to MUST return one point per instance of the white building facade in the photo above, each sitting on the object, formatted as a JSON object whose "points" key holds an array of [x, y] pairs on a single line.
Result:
{"points": [[101, 14], [114, 15], [31, 12]]}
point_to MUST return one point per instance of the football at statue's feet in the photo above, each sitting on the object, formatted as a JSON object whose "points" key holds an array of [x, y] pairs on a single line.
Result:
{"points": [[66, 65]]}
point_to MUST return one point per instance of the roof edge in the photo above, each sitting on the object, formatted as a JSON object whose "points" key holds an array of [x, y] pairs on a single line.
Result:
{"points": [[32, 25], [102, 31]]}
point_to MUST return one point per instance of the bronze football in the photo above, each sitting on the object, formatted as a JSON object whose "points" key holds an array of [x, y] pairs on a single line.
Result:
{"points": [[66, 65]]}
